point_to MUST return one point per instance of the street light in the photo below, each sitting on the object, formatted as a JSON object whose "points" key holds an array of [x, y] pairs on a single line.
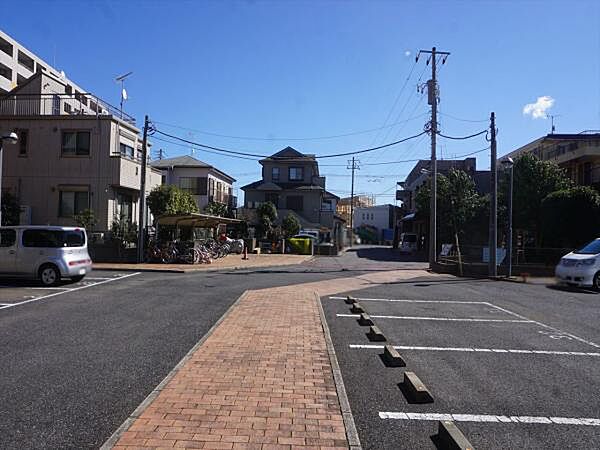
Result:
{"points": [[509, 164], [11, 138]]}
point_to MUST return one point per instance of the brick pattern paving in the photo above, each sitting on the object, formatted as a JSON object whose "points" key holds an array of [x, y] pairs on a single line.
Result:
{"points": [[262, 380]]}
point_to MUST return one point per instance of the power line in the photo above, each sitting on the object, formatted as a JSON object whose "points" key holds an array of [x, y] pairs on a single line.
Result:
{"points": [[206, 150], [316, 138], [461, 138], [463, 120], [236, 152]]}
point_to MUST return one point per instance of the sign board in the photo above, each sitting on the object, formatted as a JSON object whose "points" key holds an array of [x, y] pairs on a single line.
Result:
{"points": [[500, 255]]}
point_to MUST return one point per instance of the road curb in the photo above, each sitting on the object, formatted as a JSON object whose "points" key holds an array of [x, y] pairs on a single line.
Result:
{"points": [[195, 270], [351, 432], [114, 438]]}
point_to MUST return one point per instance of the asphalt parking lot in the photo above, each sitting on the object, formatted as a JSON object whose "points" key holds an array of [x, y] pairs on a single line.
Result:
{"points": [[512, 365]]}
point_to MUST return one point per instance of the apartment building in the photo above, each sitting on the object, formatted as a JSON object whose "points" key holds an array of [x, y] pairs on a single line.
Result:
{"points": [[379, 219], [74, 152], [291, 181], [204, 182], [17, 64], [578, 154]]}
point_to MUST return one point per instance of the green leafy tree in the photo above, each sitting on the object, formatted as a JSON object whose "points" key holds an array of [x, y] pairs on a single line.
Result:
{"points": [[290, 225], [534, 180], [458, 203], [169, 199], [124, 232], [216, 209], [10, 209], [570, 217], [267, 214], [86, 219]]}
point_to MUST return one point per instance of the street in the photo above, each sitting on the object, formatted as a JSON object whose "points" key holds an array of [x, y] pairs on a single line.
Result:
{"points": [[515, 366]]}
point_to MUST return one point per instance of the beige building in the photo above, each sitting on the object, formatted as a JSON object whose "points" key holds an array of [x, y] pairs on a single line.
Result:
{"points": [[360, 201], [204, 182], [74, 152], [578, 154]]}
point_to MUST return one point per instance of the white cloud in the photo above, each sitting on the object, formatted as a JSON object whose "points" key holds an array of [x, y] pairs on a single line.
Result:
{"points": [[407, 53], [538, 109]]}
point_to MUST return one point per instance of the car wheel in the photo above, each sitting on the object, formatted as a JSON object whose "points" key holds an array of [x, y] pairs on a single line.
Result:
{"points": [[49, 275], [596, 282], [77, 279]]}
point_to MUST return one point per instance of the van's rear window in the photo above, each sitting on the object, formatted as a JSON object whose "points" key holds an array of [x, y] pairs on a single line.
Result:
{"points": [[53, 238]]}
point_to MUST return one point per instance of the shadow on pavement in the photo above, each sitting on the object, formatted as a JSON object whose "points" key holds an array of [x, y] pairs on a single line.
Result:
{"points": [[557, 287], [387, 254]]}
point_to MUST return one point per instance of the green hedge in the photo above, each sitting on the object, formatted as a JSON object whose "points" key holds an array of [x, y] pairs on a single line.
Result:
{"points": [[301, 246]]}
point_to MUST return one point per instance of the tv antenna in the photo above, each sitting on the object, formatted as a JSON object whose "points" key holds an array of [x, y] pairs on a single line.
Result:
{"points": [[121, 79]]}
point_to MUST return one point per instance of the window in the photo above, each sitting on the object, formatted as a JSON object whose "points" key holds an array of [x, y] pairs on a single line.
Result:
{"points": [[125, 207], [76, 143], [53, 238], [7, 238], [72, 202], [295, 202], [193, 185], [5, 72], [296, 173], [25, 61], [6, 47], [211, 189], [275, 174], [126, 150], [219, 191], [273, 198], [23, 139]]}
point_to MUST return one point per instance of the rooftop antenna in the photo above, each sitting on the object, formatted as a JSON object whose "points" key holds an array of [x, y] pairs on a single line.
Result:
{"points": [[121, 79], [553, 129]]}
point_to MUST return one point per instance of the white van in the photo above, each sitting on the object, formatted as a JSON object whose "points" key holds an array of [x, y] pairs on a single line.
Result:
{"points": [[46, 253]]}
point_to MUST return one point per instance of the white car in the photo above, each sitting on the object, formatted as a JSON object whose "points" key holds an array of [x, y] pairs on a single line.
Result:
{"points": [[581, 267]]}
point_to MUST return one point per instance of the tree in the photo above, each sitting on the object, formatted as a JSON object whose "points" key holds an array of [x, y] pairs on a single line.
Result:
{"points": [[216, 209], [534, 180], [570, 217], [457, 204], [86, 219], [169, 199], [124, 232], [290, 225], [10, 209], [267, 213]]}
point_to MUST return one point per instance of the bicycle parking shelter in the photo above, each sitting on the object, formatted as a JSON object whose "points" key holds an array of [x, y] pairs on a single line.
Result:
{"points": [[193, 220]]}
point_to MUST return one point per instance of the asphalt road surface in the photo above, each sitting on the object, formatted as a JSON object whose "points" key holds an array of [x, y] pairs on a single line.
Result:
{"points": [[78, 359], [516, 365]]}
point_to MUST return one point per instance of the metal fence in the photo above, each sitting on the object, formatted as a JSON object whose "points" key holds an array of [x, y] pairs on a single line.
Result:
{"points": [[59, 104]]}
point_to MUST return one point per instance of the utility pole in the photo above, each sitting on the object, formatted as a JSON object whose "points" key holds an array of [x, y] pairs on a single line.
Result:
{"points": [[493, 241], [142, 202], [160, 153], [432, 91], [352, 165]]}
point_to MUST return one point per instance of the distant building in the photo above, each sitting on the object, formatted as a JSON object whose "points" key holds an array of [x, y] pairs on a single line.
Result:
{"points": [[204, 182], [343, 205], [419, 177], [291, 181], [380, 219], [577, 154]]}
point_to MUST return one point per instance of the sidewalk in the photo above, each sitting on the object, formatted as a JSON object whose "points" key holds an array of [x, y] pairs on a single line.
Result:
{"points": [[228, 262], [263, 379]]}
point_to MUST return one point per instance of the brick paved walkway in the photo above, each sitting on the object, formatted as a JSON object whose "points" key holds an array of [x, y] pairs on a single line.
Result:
{"points": [[261, 380]]}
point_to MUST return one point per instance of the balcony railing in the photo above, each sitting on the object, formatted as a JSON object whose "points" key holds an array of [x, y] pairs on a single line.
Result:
{"points": [[59, 105]]}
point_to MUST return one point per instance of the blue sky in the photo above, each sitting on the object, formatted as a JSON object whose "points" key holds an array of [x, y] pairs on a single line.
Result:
{"points": [[291, 69]]}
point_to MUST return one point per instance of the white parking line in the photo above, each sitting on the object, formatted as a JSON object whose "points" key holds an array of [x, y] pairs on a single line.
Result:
{"points": [[478, 350], [70, 290], [99, 278], [52, 288], [411, 301], [448, 319], [492, 418], [577, 338]]}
